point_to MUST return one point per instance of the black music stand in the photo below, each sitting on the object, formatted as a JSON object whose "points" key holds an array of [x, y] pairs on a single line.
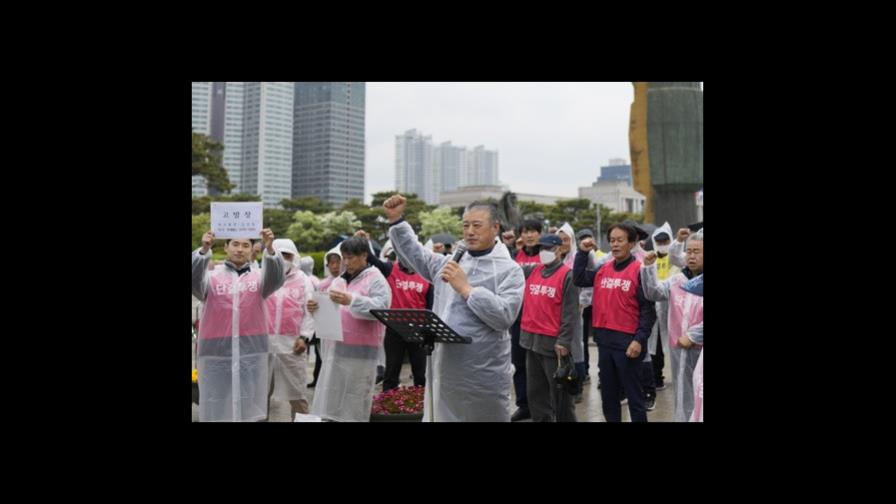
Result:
{"points": [[426, 328]]}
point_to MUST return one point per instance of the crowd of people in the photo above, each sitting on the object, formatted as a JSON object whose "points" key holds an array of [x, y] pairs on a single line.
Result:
{"points": [[528, 299]]}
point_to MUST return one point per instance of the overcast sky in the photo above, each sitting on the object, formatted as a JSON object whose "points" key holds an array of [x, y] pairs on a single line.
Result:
{"points": [[551, 137]]}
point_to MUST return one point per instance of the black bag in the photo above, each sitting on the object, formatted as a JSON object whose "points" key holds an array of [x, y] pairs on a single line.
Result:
{"points": [[566, 376]]}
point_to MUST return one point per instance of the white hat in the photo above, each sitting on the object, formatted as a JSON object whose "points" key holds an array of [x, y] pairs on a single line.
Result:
{"points": [[286, 245]]}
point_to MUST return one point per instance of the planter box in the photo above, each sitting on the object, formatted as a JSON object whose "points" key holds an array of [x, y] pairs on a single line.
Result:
{"points": [[398, 417]]}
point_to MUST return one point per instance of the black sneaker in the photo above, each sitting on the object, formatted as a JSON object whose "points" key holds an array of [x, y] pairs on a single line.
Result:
{"points": [[651, 404], [661, 386], [520, 414], [578, 398], [587, 379]]}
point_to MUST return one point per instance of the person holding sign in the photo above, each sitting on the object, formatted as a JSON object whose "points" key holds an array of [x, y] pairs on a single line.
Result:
{"points": [[232, 330], [478, 294], [344, 391]]}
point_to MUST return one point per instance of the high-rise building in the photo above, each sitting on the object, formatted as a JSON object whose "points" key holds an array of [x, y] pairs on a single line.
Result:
{"points": [[482, 167], [450, 161], [429, 171], [617, 169], [234, 96], [414, 170], [328, 141], [267, 141], [200, 116], [201, 107]]}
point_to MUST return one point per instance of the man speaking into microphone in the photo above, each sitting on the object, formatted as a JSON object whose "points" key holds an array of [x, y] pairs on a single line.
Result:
{"points": [[478, 293]]}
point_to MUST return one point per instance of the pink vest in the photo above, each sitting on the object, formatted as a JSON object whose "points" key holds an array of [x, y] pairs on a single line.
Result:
{"points": [[685, 310], [218, 314], [324, 284], [290, 299], [543, 302], [359, 331], [697, 415], [522, 258], [615, 298], [408, 291]]}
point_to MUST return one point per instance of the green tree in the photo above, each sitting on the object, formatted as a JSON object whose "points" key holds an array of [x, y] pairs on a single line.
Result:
{"points": [[207, 155], [339, 223], [440, 220], [579, 212], [412, 209], [306, 230], [372, 218], [201, 224], [277, 220]]}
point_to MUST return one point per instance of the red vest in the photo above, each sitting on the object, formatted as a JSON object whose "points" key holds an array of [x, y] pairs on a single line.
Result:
{"points": [[408, 291], [543, 302], [522, 258], [615, 298]]}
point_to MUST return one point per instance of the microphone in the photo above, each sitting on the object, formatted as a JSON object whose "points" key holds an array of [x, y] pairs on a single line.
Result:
{"points": [[461, 249]]}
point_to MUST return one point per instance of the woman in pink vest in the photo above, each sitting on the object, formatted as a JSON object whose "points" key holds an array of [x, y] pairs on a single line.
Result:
{"points": [[289, 329], [409, 291], [232, 331], [685, 312], [344, 392], [333, 269], [622, 317], [549, 331]]}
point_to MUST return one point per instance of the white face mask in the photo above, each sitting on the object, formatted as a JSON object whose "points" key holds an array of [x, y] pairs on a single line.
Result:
{"points": [[662, 249], [547, 257]]}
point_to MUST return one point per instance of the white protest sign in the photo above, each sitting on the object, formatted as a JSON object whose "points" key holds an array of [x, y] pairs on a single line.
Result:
{"points": [[327, 319], [236, 219]]}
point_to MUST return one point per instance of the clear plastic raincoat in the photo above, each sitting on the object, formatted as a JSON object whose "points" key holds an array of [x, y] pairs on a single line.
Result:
{"points": [[345, 386], [233, 341], [287, 320], [470, 382]]}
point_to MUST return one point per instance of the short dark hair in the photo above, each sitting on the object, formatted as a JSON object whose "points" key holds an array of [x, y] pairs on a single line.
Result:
{"points": [[488, 206], [531, 225], [354, 246], [630, 231], [251, 241]]}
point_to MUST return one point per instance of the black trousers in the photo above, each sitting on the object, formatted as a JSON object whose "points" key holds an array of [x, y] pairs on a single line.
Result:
{"points": [[619, 372], [658, 362], [395, 348], [315, 342], [518, 359], [586, 331]]}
